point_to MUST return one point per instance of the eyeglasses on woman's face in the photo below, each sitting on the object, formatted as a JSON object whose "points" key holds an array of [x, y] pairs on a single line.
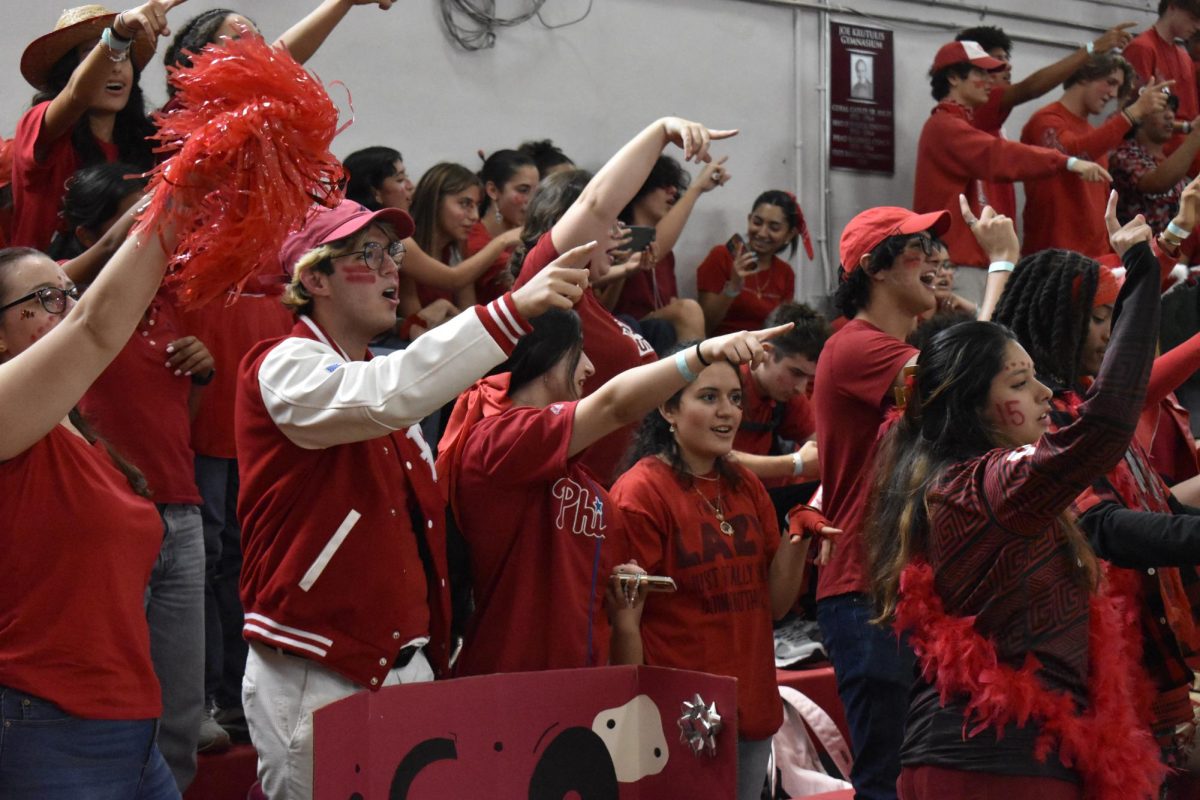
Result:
{"points": [[52, 298]]}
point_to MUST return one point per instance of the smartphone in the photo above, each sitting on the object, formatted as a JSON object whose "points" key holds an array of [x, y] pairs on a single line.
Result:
{"points": [[735, 244], [641, 237], [654, 583]]}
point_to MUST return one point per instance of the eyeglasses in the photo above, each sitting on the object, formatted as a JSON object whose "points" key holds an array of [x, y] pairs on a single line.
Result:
{"points": [[52, 298], [372, 255]]}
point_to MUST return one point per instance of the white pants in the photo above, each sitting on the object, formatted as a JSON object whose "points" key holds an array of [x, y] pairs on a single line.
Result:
{"points": [[280, 693]]}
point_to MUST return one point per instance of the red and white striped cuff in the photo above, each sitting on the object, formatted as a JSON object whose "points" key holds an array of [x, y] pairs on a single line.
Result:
{"points": [[502, 320]]}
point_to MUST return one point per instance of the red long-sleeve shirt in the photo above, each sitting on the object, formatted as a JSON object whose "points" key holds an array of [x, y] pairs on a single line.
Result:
{"points": [[953, 156], [1061, 210]]}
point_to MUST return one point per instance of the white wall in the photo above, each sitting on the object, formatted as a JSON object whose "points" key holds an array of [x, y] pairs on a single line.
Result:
{"points": [[729, 63]]}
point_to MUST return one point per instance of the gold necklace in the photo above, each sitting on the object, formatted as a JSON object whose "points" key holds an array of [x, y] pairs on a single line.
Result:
{"points": [[726, 528]]}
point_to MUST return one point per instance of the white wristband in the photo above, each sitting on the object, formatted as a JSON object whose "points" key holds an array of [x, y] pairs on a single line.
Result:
{"points": [[730, 289], [797, 463], [1175, 230], [1071, 161], [1091, 48], [1001, 266]]}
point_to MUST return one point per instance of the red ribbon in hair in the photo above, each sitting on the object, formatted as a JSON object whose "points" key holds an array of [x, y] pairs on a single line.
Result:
{"points": [[803, 226]]}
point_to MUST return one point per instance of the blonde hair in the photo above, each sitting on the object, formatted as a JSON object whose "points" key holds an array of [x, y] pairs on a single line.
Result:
{"points": [[296, 296]]}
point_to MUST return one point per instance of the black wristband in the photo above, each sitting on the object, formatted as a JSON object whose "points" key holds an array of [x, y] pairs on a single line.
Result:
{"points": [[204, 380], [116, 35], [700, 356]]}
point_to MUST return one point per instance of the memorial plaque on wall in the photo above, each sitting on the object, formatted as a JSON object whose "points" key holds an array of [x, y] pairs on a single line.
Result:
{"points": [[862, 133]]}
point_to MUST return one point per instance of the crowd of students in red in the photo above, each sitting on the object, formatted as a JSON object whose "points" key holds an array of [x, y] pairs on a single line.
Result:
{"points": [[445, 432]]}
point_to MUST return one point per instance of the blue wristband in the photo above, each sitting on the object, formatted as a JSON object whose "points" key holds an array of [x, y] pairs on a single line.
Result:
{"points": [[1175, 230], [682, 365]]}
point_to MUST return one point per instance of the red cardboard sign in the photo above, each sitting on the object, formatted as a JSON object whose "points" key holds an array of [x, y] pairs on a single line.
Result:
{"points": [[609, 733]]}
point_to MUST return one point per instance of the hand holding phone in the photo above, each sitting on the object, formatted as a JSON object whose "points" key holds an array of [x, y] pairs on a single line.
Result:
{"points": [[640, 237]]}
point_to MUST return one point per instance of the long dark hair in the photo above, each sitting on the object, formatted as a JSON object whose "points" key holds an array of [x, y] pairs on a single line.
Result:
{"points": [[1049, 312], [665, 172], [654, 438], [9, 257], [791, 212], [550, 200], [366, 170], [499, 168], [438, 182], [93, 195], [130, 128], [192, 36], [557, 334], [941, 425]]}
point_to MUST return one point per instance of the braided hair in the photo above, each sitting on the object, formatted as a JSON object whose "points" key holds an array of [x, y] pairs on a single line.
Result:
{"points": [[1048, 313]]}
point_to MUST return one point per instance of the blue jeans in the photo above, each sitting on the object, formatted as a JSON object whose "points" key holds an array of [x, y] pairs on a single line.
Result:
{"points": [[224, 647], [175, 614], [874, 675], [46, 754]]}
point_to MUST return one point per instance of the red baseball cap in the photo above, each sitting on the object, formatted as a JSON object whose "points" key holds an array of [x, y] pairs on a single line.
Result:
{"points": [[325, 225], [874, 225], [965, 52]]}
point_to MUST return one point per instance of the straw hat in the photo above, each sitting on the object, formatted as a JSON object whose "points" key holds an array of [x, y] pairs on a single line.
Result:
{"points": [[75, 26]]}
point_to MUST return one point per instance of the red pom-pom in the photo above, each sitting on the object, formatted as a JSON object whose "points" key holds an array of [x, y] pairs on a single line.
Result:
{"points": [[247, 139]]}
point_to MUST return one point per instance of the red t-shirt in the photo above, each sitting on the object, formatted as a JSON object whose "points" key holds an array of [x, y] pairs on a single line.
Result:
{"points": [[855, 373], [720, 619], [1061, 210], [646, 291], [141, 406], [1156, 59], [954, 157], [229, 330], [487, 288], [762, 421], [78, 547], [38, 186], [546, 528], [990, 118], [612, 348], [762, 292]]}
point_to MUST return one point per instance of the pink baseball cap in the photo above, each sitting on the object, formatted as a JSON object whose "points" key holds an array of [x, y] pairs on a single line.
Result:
{"points": [[325, 225], [965, 52], [874, 225]]}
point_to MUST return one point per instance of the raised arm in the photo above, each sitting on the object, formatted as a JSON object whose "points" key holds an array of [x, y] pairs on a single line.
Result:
{"points": [[1047, 78], [633, 394], [427, 270], [997, 237], [319, 399], [304, 38], [669, 228], [611, 189], [147, 21], [1029, 487], [41, 385]]}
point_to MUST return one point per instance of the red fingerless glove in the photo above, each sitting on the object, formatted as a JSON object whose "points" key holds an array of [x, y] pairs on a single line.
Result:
{"points": [[806, 522]]}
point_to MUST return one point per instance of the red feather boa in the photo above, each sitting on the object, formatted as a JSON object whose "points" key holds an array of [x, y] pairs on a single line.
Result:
{"points": [[248, 135], [1110, 744]]}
